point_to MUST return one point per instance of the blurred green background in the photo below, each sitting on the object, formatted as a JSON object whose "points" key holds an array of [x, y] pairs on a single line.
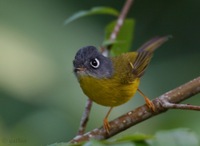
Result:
{"points": [[40, 99]]}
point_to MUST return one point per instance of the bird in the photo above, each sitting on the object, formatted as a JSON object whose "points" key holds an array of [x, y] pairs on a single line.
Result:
{"points": [[113, 81]]}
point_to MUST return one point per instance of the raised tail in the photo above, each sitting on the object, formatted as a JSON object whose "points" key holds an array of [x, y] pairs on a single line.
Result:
{"points": [[153, 44], [145, 53]]}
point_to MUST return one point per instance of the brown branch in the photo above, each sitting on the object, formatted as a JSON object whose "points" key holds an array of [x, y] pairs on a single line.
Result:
{"points": [[163, 103], [85, 117], [120, 21], [180, 106]]}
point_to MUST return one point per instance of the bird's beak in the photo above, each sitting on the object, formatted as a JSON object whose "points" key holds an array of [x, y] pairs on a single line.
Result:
{"points": [[79, 69]]}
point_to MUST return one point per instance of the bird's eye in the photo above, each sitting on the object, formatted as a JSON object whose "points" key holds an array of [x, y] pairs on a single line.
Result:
{"points": [[95, 63]]}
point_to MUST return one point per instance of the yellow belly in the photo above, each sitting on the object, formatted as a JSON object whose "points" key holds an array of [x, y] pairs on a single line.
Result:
{"points": [[108, 92]]}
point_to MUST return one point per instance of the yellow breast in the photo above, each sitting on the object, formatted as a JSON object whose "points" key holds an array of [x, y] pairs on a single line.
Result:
{"points": [[108, 92]]}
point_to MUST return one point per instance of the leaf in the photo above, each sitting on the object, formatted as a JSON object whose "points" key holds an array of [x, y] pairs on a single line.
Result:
{"points": [[66, 144], [177, 137], [109, 42], [135, 137], [129, 140], [94, 142], [59, 144], [93, 11], [124, 38]]}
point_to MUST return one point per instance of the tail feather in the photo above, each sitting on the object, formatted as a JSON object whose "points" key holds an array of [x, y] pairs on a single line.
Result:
{"points": [[153, 44], [145, 53]]}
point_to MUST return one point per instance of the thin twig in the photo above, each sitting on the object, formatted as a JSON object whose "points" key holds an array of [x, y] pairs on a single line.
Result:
{"points": [[85, 117], [181, 106], [120, 21], [142, 113]]}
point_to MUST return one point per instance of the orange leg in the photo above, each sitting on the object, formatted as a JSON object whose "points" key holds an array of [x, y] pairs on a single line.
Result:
{"points": [[105, 121], [148, 101]]}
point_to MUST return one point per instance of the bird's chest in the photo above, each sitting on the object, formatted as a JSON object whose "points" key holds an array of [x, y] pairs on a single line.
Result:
{"points": [[108, 92]]}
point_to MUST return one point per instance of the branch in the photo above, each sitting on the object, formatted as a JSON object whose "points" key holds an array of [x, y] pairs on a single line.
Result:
{"points": [[120, 21], [162, 104], [85, 117]]}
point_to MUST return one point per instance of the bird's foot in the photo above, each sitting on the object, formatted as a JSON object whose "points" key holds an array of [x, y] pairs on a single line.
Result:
{"points": [[106, 125]]}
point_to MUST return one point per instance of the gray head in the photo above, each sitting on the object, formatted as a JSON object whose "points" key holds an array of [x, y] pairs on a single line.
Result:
{"points": [[88, 61]]}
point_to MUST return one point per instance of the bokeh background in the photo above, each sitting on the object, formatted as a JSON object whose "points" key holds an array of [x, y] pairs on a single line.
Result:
{"points": [[40, 99]]}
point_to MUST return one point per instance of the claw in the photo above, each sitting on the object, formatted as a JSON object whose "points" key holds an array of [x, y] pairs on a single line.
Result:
{"points": [[149, 103], [106, 125]]}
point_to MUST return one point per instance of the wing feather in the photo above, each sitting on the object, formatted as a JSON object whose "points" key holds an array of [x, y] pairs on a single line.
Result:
{"points": [[145, 53]]}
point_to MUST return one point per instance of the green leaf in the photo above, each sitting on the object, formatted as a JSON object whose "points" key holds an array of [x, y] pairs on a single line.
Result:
{"points": [[109, 42], [135, 137], [94, 142], [129, 140], [177, 137], [124, 38], [66, 144], [93, 11], [59, 144]]}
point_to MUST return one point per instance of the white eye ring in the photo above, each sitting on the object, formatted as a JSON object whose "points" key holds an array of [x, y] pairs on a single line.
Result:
{"points": [[95, 63]]}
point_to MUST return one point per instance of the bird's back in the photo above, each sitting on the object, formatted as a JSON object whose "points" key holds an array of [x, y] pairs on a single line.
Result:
{"points": [[123, 67]]}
